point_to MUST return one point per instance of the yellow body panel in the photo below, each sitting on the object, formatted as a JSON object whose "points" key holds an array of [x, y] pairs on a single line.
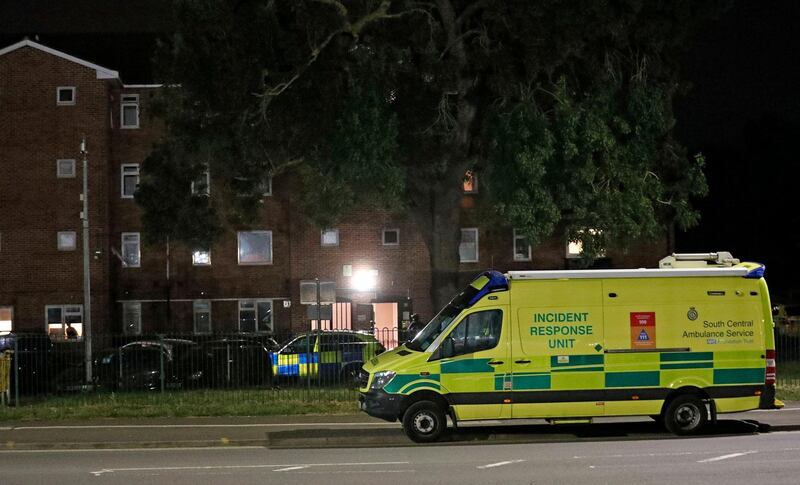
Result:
{"points": [[572, 348]]}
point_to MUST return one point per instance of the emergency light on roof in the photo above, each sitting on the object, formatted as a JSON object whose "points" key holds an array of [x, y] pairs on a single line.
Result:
{"points": [[488, 282]]}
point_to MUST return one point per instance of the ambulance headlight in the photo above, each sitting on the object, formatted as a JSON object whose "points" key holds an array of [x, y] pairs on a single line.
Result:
{"points": [[381, 378]]}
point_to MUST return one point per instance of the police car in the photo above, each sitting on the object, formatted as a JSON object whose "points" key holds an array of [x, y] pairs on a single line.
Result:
{"points": [[330, 356]]}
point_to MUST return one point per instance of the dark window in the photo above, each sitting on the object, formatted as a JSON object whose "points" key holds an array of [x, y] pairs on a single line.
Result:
{"points": [[478, 331]]}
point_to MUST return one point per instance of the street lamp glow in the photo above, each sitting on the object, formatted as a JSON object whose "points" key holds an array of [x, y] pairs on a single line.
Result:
{"points": [[365, 279]]}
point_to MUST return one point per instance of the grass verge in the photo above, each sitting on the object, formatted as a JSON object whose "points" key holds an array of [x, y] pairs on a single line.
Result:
{"points": [[240, 402], [255, 402], [788, 386]]}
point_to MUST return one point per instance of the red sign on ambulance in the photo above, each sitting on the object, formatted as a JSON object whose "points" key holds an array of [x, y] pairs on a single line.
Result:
{"points": [[643, 330]]}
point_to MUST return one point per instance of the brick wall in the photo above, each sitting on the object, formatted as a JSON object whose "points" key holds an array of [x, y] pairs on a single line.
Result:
{"points": [[34, 204]]}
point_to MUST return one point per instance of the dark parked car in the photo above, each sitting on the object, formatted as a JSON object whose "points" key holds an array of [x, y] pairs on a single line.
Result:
{"points": [[231, 362], [138, 365], [32, 360]]}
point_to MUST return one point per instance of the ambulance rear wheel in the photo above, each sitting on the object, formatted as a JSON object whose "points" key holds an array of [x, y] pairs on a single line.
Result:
{"points": [[685, 414], [424, 421]]}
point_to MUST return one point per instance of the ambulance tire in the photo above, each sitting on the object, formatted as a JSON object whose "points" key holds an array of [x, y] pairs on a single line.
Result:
{"points": [[686, 414], [424, 422]]}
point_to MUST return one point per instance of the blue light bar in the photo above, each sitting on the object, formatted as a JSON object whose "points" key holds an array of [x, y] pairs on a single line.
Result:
{"points": [[496, 282], [756, 273]]}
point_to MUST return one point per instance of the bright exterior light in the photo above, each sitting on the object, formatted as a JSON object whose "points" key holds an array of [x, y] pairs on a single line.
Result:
{"points": [[365, 279]]}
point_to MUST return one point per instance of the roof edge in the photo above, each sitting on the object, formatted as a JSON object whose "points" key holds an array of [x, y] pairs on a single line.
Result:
{"points": [[100, 71]]}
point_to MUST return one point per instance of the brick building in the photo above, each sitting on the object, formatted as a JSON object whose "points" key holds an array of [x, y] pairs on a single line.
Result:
{"points": [[249, 281]]}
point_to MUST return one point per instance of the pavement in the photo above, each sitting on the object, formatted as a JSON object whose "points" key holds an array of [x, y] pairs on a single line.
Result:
{"points": [[348, 431]]}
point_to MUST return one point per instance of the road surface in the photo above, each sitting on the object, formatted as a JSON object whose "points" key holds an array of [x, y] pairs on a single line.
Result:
{"points": [[743, 459]]}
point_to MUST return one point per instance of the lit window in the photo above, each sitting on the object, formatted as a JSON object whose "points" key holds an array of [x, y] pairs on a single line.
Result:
{"points": [[391, 237], [255, 316], [470, 184], [202, 316], [575, 248], [131, 250], [65, 169], [329, 237], [132, 318], [129, 111], [522, 249], [6, 319], [66, 241], [129, 181], [255, 247], [202, 185], [64, 321], [65, 95], [468, 248], [201, 257]]}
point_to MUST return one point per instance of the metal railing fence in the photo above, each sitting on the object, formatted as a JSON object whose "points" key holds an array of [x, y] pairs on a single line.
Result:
{"points": [[304, 363], [297, 367]]}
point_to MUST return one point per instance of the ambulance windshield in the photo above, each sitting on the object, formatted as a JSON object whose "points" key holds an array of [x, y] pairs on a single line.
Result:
{"points": [[485, 283], [442, 320]]}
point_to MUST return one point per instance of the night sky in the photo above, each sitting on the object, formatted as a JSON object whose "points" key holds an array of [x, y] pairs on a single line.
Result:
{"points": [[741, 112]]}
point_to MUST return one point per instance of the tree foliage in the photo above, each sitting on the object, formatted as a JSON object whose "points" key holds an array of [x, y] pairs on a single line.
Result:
{"points": [[563, 106]]}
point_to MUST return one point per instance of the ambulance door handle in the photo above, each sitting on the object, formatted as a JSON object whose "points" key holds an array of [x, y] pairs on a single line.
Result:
{"points": [[522, 361], [496, 362]]}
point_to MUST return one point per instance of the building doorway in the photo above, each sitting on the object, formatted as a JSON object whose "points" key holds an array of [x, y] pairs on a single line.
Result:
{"points": [[386, 323]]}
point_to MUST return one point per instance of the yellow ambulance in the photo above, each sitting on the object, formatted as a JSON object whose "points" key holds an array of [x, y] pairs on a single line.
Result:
{"points": [[680, 343]]}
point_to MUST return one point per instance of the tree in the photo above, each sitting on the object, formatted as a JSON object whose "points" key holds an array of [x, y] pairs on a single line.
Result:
{"points": [[563, 106]]}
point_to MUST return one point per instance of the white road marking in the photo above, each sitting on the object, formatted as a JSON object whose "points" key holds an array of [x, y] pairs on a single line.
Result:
{"points": [[143, 426], [782, 410], [234, 467], [725, 457], [290, 468], [502, 463]]}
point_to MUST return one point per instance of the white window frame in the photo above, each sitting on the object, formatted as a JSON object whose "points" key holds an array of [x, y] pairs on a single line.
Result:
{"points": [[206, 192], [128, 173], [196, 261], [516, 257], [58, 168], [137, 327], [64, 314], [254, 302], [4, 328], [239, 248], [196, 311], [383, 236], [267, 187], [477, 245], [65, 247], [58, 96], [138, 249], [322, 237], [126, 101]]}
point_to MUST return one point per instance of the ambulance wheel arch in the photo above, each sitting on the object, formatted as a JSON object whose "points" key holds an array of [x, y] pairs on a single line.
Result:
{"points": [[423, 395], [684, 410]]}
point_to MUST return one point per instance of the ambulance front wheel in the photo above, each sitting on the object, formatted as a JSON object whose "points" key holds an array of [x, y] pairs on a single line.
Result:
{"points": [[685, 414], [424, 421]]}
